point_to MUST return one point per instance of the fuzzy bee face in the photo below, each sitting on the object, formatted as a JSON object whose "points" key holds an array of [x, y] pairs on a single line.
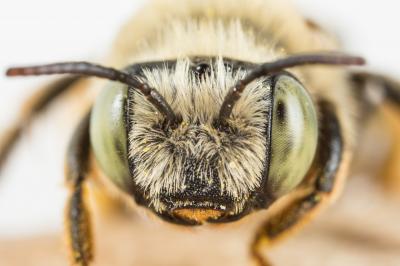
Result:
{"points": [[200, 171]]}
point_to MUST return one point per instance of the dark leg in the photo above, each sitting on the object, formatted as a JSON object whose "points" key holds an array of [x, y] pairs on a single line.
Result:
{"points": [[326, 168], [34, 106], [77, 217]]}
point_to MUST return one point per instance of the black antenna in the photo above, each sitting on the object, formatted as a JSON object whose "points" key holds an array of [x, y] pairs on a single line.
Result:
{"points": [[235, 92], [89, 69]]}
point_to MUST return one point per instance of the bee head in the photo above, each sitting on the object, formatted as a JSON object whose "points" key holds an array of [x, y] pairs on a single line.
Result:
{"points": [[225, 157], [202, 139]]}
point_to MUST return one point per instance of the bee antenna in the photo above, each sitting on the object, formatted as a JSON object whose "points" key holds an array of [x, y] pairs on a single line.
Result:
{"points": [[89, 69], [235, 92]]}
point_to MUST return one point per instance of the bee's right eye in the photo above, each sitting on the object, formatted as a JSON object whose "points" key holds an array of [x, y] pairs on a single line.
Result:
{"points": [[294, 135], [108, 133]]}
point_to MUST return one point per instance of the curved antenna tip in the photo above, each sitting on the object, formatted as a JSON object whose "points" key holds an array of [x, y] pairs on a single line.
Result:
{"points": [[10, 72], [359, 61]]}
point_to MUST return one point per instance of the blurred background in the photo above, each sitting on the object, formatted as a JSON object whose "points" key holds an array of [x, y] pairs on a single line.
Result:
{"points": [[32, 195]]}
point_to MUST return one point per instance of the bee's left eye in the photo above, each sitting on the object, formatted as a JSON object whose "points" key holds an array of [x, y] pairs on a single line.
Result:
{"points": [[294, 135], [108, 133]]}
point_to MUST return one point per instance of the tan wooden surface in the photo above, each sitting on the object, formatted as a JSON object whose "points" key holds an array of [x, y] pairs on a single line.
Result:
{"points": [[362, 228]]}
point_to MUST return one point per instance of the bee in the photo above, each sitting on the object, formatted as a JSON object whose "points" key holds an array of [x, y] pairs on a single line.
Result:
{"points": [[215, 112]]}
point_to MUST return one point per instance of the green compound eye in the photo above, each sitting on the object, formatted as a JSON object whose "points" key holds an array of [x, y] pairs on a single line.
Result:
{"points": [[294, 135], [108, 133]]}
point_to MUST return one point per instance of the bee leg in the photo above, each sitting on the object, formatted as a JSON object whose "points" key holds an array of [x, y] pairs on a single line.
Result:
{"points": [[326, 170], [282, 224], [78, 228], [369, 86], [34, 106]]}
